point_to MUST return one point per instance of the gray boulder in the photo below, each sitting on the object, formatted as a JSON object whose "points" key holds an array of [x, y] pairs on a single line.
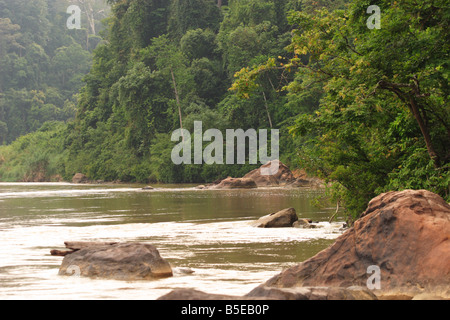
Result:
{"points": [[303, 223], [267, 293], [281, 219], [120, 261], [282, 177]]}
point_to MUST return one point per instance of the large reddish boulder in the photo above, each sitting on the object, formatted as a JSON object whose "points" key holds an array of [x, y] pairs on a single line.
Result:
{"points": [[282, 177], [264, 293], [405, 234]]}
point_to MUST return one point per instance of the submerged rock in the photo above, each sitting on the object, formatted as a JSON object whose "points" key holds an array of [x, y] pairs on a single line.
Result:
{"points": [[183, 271], [405, 234], [303, 223], [281, 219], [267, 293], [119, 261]]}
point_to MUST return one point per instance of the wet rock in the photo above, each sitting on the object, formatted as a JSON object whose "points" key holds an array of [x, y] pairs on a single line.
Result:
{"points": [[235, 183], [80, 178], [405, 234], [303, 223], [312, 293], [307, 183], [282, 177], [267, 293], [192, 294], [281, 219], [183, 271], [120, 261], [74, 246], [200, 187]]}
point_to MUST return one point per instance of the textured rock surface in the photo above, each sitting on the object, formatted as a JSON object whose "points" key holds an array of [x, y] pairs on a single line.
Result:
{"points": [[303, 223], [266, 293], [121, 261], [236, 183], [313, 293], [192, 294], [406, 234], [282, 177], [281, 219]]}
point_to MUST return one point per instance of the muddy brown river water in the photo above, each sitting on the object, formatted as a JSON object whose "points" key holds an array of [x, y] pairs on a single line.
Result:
{"points": [[208, 231]]}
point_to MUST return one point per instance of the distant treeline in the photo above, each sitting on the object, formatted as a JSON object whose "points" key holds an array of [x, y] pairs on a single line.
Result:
{"points": [[42, 63], [365, 109]]}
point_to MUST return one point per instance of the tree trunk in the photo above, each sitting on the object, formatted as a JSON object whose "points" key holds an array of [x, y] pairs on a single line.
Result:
{"points": [[90, 16], [409, 99], [267, 110], [219, 3], [425, 132], [178, 101]]}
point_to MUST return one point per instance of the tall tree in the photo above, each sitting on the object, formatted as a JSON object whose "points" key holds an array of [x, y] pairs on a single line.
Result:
{"points": [[383, 121], [193, 14]]}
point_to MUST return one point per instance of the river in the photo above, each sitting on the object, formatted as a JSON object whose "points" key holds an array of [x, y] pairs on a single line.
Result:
{"points": [[208, 231]]}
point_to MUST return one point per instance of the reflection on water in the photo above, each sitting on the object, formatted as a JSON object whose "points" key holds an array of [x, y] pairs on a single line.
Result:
{"points": [[207, 230]]}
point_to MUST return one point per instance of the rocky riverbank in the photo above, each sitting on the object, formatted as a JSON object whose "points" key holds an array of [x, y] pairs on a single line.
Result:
{"points": [[119, 261], [399, 248], [284, 177]]}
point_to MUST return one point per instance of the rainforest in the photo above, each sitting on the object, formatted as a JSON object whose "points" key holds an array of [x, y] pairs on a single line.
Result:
{"points": [[364, 109]]}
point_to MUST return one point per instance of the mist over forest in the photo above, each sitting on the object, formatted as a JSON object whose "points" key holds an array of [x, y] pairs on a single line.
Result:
{"points": [[365, 109]]}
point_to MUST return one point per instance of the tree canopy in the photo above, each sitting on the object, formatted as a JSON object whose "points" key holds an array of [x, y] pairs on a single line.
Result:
{"points": [[364, 108]]}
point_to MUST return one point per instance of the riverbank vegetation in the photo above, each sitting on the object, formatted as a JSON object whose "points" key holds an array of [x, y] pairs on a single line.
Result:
{"points": [[365, 109]]}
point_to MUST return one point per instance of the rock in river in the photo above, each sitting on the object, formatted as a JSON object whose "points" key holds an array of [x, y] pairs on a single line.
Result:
{"points": [[304, 224], [236, 183], [119, 261], [281, 219], [312, 293], [266, 293], [192, 294], [404, 235]]}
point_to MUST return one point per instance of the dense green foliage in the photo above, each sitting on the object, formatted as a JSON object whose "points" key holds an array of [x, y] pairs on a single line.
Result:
{"points": [[129, 108], [42, 63], [36, 157], [383, 118], [366, 109]]}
